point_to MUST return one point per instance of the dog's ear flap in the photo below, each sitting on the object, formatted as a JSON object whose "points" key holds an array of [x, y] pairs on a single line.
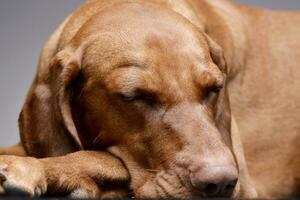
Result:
{"points": [[227, 125], [64, 69], [222, 107], [223, 115], [216, 53], [46, 123]]}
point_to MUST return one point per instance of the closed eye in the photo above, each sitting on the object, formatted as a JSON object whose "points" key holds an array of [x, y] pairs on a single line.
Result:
{"points": [[127, 98], [215, 88], [211, 94], [139, 96]]}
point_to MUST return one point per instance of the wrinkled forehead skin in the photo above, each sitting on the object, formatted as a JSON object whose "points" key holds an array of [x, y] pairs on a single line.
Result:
{"points": [[155, 48], [133, 32]]}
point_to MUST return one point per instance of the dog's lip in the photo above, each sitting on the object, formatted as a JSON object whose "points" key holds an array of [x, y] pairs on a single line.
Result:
{"points": [[147, 188]]}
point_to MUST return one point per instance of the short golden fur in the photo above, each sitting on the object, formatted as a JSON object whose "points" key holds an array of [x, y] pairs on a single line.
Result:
{"points": [[155, 93]]}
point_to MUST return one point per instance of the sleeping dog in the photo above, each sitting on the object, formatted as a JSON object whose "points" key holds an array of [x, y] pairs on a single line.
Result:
{"points": [[163, 98]]}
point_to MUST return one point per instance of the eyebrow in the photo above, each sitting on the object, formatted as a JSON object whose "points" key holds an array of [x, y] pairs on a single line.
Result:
{"points": [[208, 78], [131, 63]]}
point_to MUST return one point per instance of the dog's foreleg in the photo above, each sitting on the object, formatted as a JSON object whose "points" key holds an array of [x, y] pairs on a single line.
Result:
{"points": [[84, 174]]}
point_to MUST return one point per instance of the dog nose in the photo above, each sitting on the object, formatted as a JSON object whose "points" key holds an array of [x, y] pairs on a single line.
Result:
{"points": [[217, 181]]}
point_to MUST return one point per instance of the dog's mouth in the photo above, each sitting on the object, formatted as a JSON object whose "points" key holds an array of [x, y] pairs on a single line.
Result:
{"points": [[172, 184], [147, 183], [166, 184]]}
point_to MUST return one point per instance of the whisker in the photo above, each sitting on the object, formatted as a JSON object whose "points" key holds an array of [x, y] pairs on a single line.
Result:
{"points": [[96, 139]]}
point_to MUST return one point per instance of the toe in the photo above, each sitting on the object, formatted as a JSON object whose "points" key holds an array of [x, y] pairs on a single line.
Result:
{"points": [[79, 194]]}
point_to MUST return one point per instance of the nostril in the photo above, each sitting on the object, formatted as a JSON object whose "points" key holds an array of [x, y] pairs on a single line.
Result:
{"points": [[215, 181], [208, 187], [211, 188], [229, 186], [222, 188]]}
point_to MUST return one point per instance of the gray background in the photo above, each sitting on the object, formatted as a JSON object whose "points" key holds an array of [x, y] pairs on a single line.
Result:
{"points": [[24, 26]]}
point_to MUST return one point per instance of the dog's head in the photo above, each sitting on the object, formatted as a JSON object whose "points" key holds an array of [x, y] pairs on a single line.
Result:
{"points": [[143, 83]]}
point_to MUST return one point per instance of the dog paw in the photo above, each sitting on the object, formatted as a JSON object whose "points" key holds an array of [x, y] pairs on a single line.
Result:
{"points": [[82, 194], [89, 189], [22, 176], [85, 190]]}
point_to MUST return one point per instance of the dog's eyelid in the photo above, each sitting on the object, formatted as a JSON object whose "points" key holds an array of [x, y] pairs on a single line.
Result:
{"points": [[212, 86], [216, 87], [126, 97], [209, 92], [133, 63], [138, 94]]}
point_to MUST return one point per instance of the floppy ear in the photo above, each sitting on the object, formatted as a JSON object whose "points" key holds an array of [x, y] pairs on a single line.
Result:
{"points": [[228, 127], [46, 122], [222, 107]]}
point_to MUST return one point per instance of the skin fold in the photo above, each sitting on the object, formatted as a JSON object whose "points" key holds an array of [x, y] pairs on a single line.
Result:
{"points": [[157, 98]]}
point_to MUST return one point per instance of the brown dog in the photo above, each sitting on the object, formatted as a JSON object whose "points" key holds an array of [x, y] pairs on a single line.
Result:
{"points": [[145, 81]]}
